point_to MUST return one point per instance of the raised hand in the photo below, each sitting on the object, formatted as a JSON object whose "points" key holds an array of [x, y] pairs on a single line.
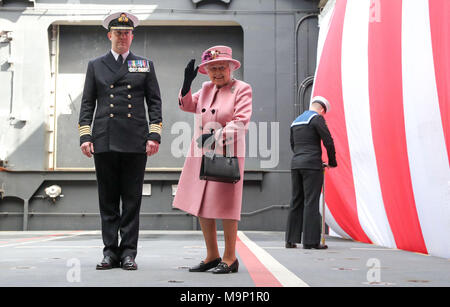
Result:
{"points": [[190, 72]]}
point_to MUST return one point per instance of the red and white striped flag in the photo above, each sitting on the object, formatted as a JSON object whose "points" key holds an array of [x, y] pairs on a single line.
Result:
{"points": [[384, 67]]}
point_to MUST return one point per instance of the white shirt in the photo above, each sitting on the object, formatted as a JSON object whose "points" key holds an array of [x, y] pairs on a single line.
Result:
{"points": [[116, 55]]}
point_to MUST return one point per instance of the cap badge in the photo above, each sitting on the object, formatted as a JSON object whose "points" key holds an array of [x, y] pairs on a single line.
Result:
{"points": [[123, 18]]}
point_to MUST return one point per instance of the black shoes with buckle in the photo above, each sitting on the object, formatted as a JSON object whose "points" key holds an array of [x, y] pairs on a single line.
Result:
{"points": [[224, 268], [217, 265], [203, 267]]}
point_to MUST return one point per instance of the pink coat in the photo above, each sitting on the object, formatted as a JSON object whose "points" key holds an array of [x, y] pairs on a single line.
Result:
{"points": [[228, 114]]}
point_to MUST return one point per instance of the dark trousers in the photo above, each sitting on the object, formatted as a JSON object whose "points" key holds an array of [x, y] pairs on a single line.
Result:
{"points": [[120, 176], [304, 216]]}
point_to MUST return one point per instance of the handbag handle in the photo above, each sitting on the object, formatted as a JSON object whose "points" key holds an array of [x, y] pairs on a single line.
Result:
{"points": [[215, 147]]}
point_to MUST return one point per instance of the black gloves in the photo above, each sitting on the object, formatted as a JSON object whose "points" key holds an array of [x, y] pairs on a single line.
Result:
{"points": [[205, 139], [189, 75]]}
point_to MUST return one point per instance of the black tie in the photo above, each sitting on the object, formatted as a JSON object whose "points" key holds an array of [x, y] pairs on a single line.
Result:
{"points": [[119, 60]]}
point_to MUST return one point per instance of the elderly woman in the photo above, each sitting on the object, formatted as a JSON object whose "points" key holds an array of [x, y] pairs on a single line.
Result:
{"points": [[223, 108]]}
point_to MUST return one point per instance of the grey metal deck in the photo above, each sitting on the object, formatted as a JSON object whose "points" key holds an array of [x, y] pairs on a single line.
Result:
{"points": [[68, 258]]}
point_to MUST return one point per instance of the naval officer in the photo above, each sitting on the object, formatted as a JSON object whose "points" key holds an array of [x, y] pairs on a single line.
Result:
{"points": [[308, 131], [117, 84]]}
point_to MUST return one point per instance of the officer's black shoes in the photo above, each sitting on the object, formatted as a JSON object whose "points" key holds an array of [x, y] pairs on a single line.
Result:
{"points": [[290, 245], [108, 263], [314, 246], [223, 268], [202, 266], [129, 264]]}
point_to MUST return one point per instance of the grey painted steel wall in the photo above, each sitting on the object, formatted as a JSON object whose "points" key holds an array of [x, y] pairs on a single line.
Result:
{"points": [[169, 47], [264, 40]]}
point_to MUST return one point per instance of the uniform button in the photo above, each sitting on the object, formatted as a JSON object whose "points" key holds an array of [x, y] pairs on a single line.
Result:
{"points": [[128, 86], [129, 106], [111, 96], [111, 115], [129, 115], [213, 111], [129, 96], [203, 110], [111, 86], [111, 105]]}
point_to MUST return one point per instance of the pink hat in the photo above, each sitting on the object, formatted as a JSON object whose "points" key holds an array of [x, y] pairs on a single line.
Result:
{"points": [[216, 54]]}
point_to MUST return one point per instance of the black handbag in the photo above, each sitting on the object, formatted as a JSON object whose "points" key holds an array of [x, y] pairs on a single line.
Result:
{"points": [[219, 168]]}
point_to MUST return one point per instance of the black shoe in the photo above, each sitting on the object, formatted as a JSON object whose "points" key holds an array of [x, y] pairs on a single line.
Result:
{"points": [[129, 264], [223, 268], [107, 263], [290, 245], [202, 266], [314, 246]]}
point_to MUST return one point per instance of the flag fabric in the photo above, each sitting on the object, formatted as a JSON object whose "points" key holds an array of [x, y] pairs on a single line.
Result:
{"points": [[384, 66]]}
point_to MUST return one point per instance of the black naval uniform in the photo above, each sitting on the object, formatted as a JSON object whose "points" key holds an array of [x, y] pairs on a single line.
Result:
{"points": [[307, 132], [120, 133]]}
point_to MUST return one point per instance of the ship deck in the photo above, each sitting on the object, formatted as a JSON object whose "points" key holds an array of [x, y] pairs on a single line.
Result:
{"points": [[68, 258]]}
